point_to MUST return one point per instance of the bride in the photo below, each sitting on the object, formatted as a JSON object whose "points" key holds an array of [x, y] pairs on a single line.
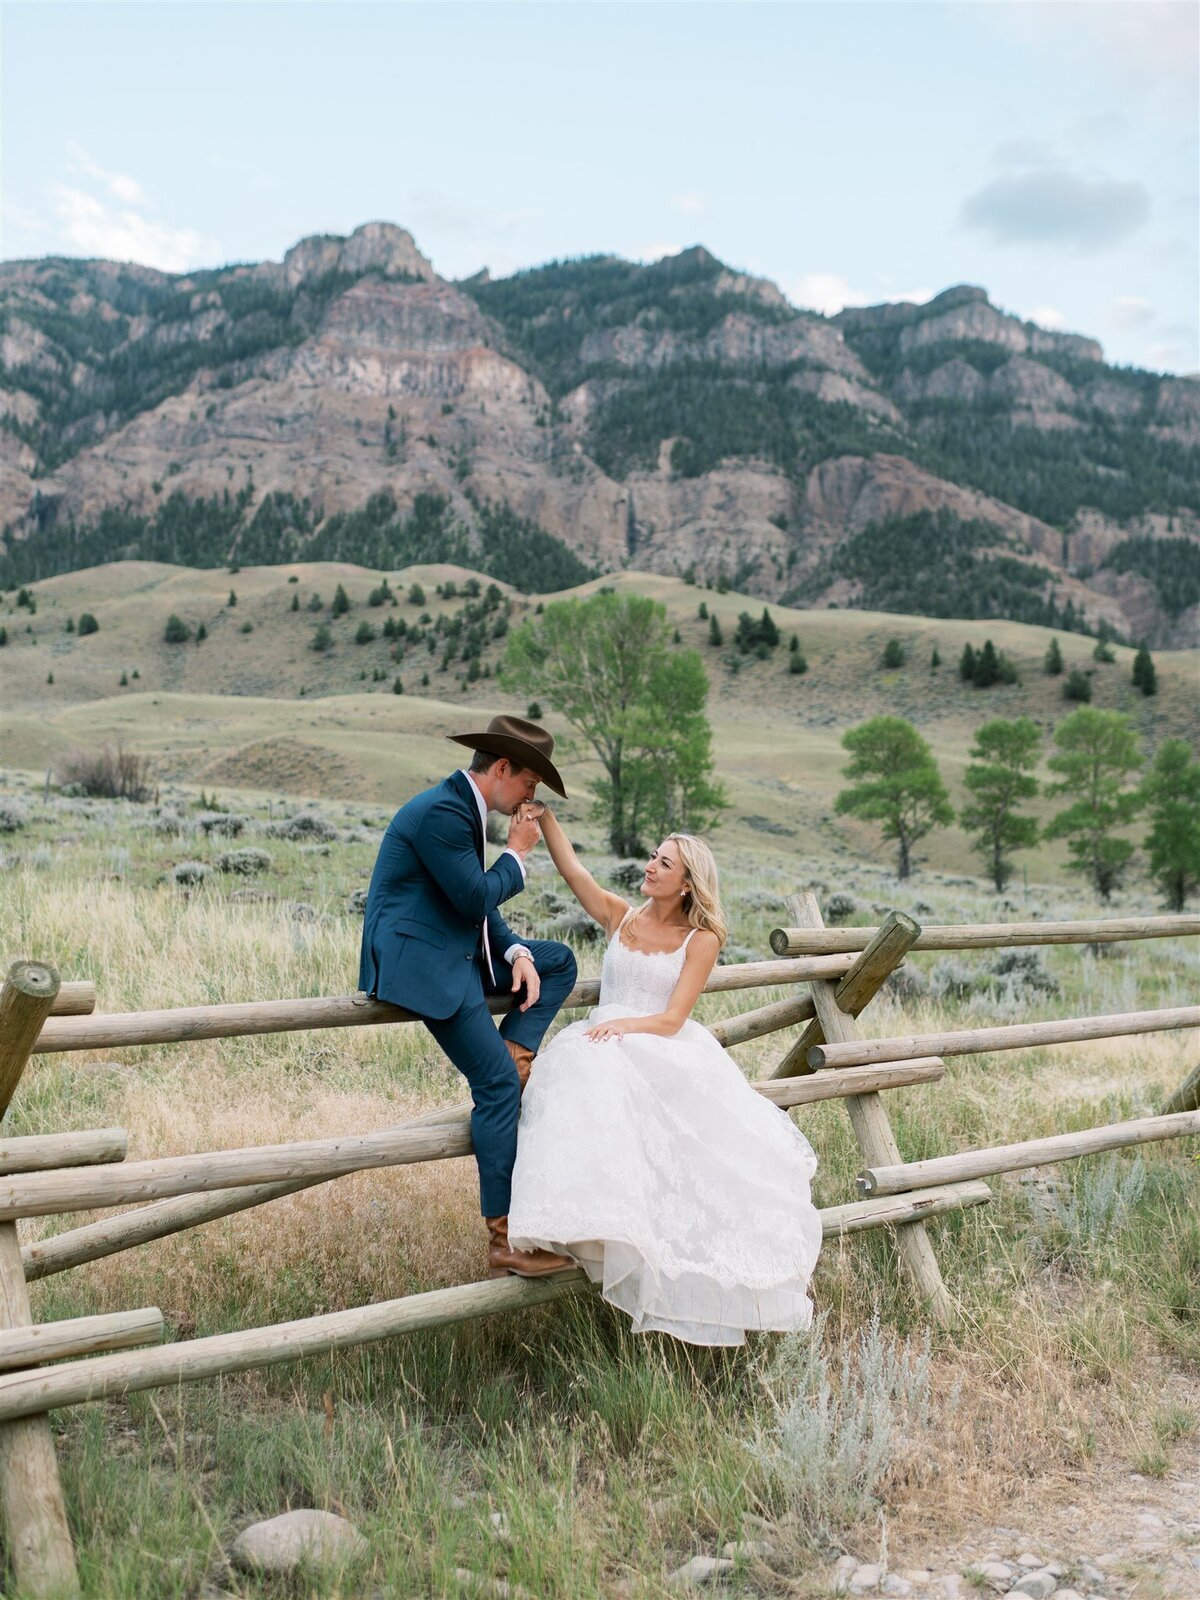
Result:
{"points": [[642, 1151]]}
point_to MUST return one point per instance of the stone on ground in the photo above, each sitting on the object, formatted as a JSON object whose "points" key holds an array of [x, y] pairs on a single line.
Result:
{"points": [[698, 1571], [283, 1543]]}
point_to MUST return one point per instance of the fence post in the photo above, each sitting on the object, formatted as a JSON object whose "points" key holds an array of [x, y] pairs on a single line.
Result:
{"points": [[868, 1114], [32, 1511]]}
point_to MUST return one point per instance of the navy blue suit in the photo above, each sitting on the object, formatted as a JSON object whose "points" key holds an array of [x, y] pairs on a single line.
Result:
{"points": [[422, 948]]}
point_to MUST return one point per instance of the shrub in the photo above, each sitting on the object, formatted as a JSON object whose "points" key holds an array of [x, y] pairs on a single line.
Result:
{"points": [[365, 634], [1078, 686], [893, 654], [245, 862], [1145, 677], [87, 624], [315, 603], [837, 1433], [176, 630], [341, 602], [109, 774], [13, 814], [533, 709], [305, 825], [416, 595], [1052, 661], [224, 824], [397, 686], [356, 903], [840, 907], [189, 873], [246, 627], [322, 640]]}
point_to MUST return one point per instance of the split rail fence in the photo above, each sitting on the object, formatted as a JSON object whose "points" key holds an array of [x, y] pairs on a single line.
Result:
{"points": [[56, 1174]]}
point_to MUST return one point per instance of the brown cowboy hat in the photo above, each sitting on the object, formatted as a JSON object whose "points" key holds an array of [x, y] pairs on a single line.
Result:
{"points": [[524, 743]]}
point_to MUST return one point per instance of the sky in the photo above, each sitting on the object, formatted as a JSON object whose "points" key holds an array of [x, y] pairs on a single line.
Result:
{"points": [[853, 151]]}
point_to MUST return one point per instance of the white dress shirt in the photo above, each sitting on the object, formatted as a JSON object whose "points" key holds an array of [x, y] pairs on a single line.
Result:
{"points": [[514, 950]]}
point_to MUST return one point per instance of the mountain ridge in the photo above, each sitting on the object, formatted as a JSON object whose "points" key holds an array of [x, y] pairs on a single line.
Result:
{"points": [[681, 416]]}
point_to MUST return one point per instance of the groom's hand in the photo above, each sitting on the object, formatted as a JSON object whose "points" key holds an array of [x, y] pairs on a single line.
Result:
{"points": [[524, 972], [523, 833]]}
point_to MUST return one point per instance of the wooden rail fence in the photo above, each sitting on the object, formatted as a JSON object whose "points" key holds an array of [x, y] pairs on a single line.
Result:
{"points": [[59, 1173]]}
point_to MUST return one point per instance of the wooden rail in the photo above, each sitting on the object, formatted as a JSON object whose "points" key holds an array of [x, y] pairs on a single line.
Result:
{"points": [[51, 1341], [1012, 1036], [111, 1031], [41, 1152], [28, 1393], [988, 935], [1028, 1153]]}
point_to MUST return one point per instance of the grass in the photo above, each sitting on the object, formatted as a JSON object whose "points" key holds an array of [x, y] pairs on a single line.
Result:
{"points": [[612, 1459]]}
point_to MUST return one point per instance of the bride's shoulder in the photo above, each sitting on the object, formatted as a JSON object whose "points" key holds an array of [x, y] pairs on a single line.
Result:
{"points": [[703, 942], [621, 912]]}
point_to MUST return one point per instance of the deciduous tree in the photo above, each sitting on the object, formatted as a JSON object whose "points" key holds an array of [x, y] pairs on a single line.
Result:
{"points": [[1096, 752], [1171, 794], [900, 785], [1000, 778]]}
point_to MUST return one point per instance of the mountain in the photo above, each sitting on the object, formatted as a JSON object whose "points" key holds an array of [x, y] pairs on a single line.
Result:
{"points": [[347, 403]]}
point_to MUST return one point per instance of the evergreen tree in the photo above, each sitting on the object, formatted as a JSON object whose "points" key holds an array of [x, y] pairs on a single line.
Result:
{"points": [[1052, 662], [935, 659], [1078, 686], [201, 634], [70, 624], [232, 601], [49, 677], [901, 787], [416, 595], [397, 686], [87, 624], [1004, 755], [124, 681], [1171, 795], [315, 603], [1145, 677], [365, 634], [893, 654], [341, 602], [702, 611], [3, 637], [966, 663], [295, 602], [176, 630], [768, 631], [322, 640], [987, 666], [715, 636], [1096, 752]]}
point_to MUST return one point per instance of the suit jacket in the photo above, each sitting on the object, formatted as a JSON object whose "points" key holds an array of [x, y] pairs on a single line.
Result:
{"points": [[429, 896]]}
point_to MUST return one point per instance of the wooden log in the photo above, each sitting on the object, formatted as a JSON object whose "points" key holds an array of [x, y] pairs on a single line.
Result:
{"points": [[38, 1152], [41, 1194], [33, 1515], [767, 1019], [96, 1378], [50, 1341], [74, 999], [1012, 1036], [1028, 1153], [988, 935], [1187, 1096], [886, 951], [119, 1029], [45, 1257], [873, 1130]]}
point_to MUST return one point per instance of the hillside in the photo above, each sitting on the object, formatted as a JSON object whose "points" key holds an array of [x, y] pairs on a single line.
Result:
{"points": [[253, 706], [347, 404]]}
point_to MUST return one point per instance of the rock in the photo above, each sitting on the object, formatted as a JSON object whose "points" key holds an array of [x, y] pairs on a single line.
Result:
{"points": [[896, 1585], [1055, 1568], [494, 1588], [1109, 1562], [281, 1544], [917, 1576], [1030, 1562], [698, 1571], [1067, 1594], [1090, 1574], [1037, 1585], [500, 1527], [996, 1572], [1147, 1519], [951, 1586], [865, 1577]]}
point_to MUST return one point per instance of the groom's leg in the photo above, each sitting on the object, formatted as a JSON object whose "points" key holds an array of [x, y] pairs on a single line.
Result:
{"points": [[557, 969], [470, 1039]]}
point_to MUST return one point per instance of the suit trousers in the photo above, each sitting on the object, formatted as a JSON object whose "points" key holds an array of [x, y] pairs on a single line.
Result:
{"points": [[471, 1040]]}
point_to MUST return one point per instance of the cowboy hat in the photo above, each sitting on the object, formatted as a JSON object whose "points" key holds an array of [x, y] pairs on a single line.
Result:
{"points": [[524, 743]]}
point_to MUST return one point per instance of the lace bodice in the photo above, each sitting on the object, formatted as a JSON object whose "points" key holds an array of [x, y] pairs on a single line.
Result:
{"points": [[640, 983]]}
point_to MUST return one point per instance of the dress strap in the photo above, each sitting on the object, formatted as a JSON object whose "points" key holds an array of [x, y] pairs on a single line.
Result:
{"points": [[688, 940]]}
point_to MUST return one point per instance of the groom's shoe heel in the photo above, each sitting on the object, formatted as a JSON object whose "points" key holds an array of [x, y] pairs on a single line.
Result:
{"points": [[497, 1272], [503, 1258]]}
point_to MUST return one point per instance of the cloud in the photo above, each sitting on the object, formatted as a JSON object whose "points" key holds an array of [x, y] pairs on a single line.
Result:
{"points": [[655, 252], [1130, 311], [1056, 208], [825, 292], [120, 186], [92, 227], [1047, 317], [691, 205], [1023, 153]]}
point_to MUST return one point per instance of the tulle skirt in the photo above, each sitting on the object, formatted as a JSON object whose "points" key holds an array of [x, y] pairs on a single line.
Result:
{"points": [[682, 1192]]}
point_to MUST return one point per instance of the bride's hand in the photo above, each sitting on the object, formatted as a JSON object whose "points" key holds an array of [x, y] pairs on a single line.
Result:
{"points": [[616, 1029]]}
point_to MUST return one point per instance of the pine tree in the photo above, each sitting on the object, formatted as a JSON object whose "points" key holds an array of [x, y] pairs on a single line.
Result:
{"points": [[341, 602], [295, 602], [1004, 756], [1171, 795], [201, 634], [87, 624], [124, 681], [232, 601], [966, 664], [987, 666], [397, 686], [1052, 662], [1145, 677], [715, 636], [702, 611], [935, 660], [1078, 686], [176, 630], [893, 654]]}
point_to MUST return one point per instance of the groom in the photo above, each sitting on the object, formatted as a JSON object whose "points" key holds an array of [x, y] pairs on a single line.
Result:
{"points": [[434, 942]]}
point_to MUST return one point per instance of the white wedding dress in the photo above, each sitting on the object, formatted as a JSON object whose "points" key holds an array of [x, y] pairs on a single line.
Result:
{"points": [[654, 1164]]}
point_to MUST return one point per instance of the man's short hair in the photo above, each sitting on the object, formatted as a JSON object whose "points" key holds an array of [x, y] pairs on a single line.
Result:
{"points": [[484, 761]]}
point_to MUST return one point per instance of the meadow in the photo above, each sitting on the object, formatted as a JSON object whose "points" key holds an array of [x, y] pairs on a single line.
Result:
{"points": [[1064, 1399], [553, 1451]]}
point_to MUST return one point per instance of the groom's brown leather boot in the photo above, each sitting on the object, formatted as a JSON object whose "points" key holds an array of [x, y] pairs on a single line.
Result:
{"points": [[503, 1258], [522, 1059]]}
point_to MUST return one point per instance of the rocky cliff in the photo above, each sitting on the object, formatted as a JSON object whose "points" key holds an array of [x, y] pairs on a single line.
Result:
{"points": [[678, 417]]}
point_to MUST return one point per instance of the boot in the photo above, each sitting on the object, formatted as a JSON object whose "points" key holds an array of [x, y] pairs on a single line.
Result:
{"points": [[522, 1059], [503, 1258]]}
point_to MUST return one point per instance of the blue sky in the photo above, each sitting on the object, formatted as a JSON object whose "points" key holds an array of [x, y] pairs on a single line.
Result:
{"points": [[853, 152]]}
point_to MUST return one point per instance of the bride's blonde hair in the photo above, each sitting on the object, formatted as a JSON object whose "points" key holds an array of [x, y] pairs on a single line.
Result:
{"points": [[702, 904]]}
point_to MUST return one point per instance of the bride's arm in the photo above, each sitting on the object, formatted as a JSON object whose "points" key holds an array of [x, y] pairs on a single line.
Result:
{"points": [[605, 908], [701, 958]]}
